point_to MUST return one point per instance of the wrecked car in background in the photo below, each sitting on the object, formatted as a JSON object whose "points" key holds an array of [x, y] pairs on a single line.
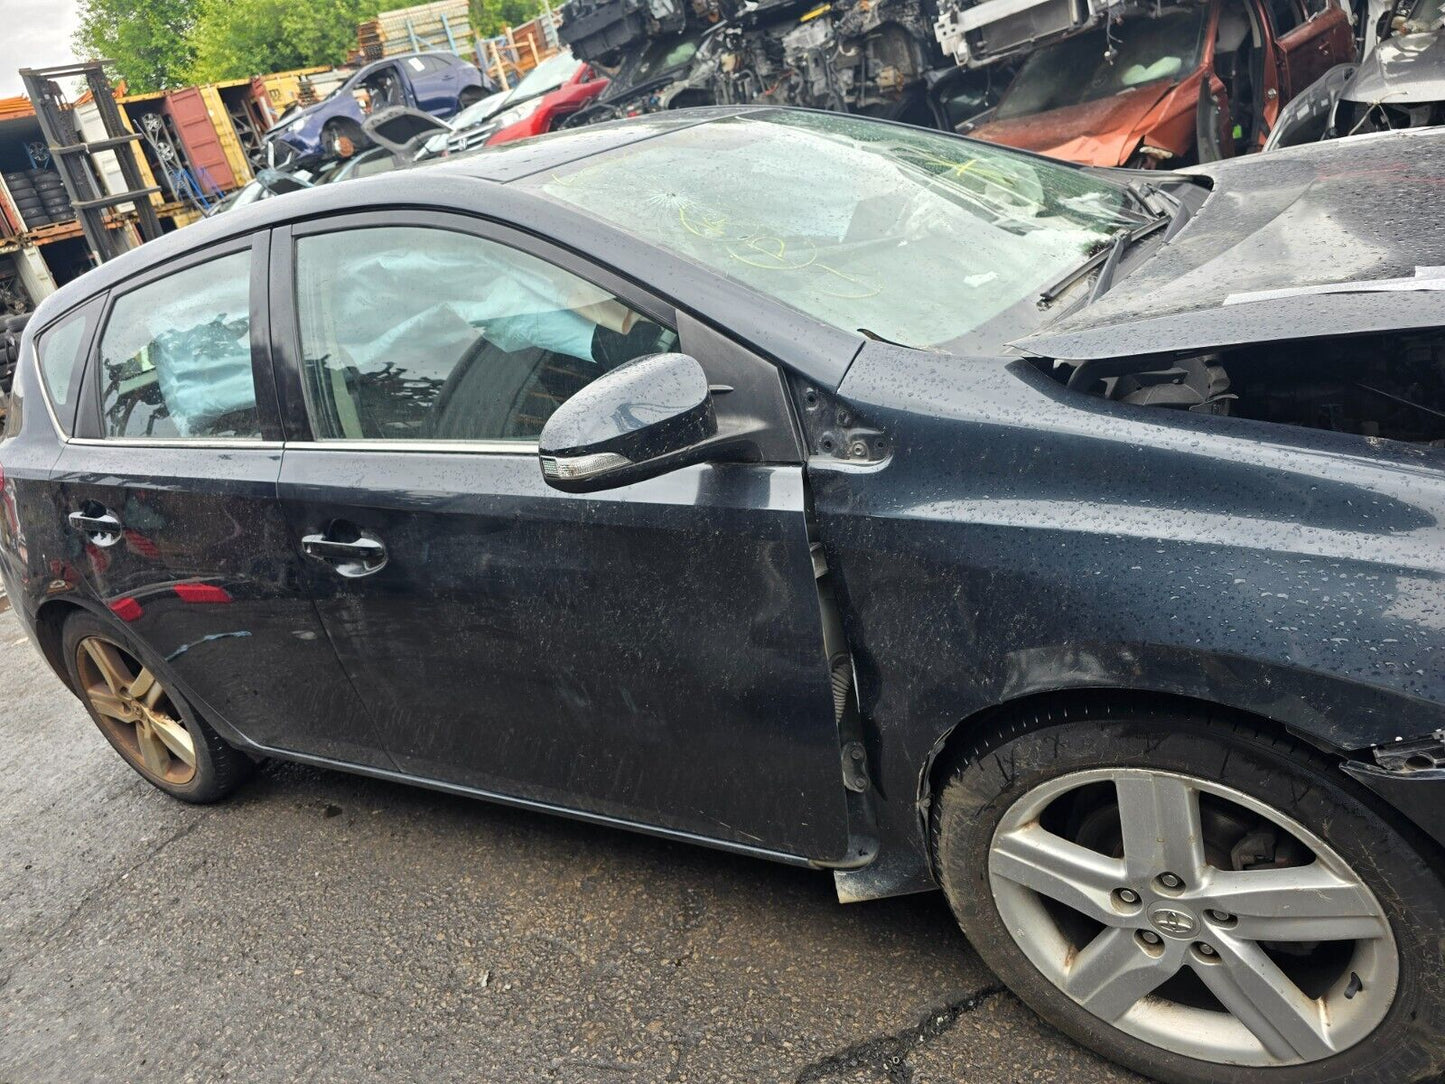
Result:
{"points": [[857, 56], [1399, 84], [672, 474], [439, 83], [1148, 84]]}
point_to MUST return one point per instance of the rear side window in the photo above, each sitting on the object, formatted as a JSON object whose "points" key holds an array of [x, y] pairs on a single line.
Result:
{"points": [[176, 356], [418, 333], [61, 349], [1284, 15]]}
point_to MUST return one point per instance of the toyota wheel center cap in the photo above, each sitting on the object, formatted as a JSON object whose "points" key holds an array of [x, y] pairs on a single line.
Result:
{"points": [[1174, 921]]}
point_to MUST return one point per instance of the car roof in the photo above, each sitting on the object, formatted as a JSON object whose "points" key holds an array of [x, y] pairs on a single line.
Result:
{"points": [[460, 185], [493, 165]]}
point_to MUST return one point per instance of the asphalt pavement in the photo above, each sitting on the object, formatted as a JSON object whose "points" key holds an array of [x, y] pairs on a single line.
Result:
{"points": [[320, 926]]}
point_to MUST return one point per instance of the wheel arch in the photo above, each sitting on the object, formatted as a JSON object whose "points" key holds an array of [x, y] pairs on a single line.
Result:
{"points": [[50, 621], [1040, 709]]}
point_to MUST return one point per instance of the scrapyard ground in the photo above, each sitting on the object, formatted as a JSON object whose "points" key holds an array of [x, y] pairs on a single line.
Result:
{"points": [[323, 926]]}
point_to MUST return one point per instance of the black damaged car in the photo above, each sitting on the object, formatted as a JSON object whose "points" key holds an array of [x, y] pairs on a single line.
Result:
{"points": [[832, 491]]}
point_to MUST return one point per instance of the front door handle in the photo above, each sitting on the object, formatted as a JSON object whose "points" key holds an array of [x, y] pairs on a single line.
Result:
{"points": [[102, 528], [361, 557]]}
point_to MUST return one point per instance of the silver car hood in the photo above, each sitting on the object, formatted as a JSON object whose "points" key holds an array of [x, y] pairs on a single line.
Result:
{"points": [[1402, 70]]}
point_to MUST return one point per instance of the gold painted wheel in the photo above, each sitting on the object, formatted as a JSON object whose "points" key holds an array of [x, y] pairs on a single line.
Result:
{"points": [[134, 710]]}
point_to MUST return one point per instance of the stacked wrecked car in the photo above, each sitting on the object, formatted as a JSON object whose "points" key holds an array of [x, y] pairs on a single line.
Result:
{"points": [[1142, 83]]}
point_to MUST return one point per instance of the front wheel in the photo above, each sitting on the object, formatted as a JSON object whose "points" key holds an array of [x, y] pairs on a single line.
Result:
{"points": [[1198, 901]]}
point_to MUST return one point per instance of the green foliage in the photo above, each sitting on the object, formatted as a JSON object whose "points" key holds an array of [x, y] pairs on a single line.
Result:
{"points": [[157, 44], [492, 17], [149, 40], [233, 39]]}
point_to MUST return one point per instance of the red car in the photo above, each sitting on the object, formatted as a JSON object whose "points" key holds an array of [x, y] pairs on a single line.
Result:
{"points": [[555, 88], [1180, 84]]}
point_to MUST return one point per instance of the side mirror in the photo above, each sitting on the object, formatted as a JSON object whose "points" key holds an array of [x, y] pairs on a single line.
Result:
{"points": [[645, 418]]}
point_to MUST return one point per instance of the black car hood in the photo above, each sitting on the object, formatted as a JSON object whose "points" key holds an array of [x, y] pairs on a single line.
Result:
{"points": [[1296, 243], [1403, 70]]}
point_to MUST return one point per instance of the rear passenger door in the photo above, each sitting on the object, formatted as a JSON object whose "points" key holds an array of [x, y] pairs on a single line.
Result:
{"points": [[168, 492], [652, 654]]}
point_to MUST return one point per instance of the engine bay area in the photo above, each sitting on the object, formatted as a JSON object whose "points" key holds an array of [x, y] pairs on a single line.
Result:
{"points": [[1383, 386]]}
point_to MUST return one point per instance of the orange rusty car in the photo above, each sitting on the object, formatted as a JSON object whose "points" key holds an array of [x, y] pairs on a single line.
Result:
{"points": [[1169, 85]]}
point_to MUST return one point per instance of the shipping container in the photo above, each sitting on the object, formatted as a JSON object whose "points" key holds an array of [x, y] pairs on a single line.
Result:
{"points": [[225, 129], [196, 131]]}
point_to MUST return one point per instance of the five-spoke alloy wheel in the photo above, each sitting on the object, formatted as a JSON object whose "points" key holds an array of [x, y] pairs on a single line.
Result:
{"points": [[147, 721], [1197, 900], [134, 711]]}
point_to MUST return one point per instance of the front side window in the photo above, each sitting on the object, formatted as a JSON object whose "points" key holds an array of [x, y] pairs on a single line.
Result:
{"points": [[176, 356], [61, 350], [911, 235], [418, 333]]}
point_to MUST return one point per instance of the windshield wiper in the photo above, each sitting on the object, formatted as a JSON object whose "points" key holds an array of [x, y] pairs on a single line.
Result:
{"points": [[1159, 202], [1106, 258]]}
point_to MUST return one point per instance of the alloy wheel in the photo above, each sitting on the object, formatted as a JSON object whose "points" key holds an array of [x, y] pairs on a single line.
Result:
{"points": [[1193, 917], [135, 711]]}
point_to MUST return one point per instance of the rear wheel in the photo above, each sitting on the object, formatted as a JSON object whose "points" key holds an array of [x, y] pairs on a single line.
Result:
{"points": [[150, 725], [470, 96], [1200, 902]]}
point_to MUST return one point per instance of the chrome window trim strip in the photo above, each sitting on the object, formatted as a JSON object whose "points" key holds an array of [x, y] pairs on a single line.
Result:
{"points": [[175, 442], [467, 447]]}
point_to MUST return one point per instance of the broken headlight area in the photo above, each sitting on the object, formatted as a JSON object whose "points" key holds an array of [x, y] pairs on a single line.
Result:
{"points": [[1386, 386]]}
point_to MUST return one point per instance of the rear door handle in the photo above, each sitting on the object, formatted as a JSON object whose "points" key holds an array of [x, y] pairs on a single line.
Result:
{"points": [[359, 558], [103, 528]]}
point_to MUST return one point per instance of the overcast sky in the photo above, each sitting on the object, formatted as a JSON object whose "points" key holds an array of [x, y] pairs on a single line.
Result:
{"points": [[33, 34]]}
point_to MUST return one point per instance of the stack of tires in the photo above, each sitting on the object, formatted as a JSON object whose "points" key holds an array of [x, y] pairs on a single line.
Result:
{"points": [[39, 196], [10, 329]]}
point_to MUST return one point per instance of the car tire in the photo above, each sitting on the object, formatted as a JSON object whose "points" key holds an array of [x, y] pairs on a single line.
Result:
{"points": [[154, 740], [1017, 789], [469, 96]]}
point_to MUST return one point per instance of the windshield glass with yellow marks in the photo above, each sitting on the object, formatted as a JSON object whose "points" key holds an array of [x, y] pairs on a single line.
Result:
{"points": [[912, 236]]}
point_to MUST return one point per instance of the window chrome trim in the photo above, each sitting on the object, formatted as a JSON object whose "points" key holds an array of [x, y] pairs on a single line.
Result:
{"points": [[467, 447], [175, 442]]}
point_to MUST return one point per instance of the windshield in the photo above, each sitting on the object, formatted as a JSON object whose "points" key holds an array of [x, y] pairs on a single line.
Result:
{"points": [[1080, 69], [479, 111], [548, 75], [916, 236]]}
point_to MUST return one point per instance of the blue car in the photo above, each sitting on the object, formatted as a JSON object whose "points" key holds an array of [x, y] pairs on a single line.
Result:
{"points": [[436, 83]]}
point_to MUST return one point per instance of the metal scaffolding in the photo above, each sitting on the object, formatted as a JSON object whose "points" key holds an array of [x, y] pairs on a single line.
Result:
{"points": [[73, 155]]}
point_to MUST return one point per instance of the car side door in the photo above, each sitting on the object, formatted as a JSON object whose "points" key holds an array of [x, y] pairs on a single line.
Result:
{"points": [[433, 84], [1311, 36], [167, 492], [652, 655]]}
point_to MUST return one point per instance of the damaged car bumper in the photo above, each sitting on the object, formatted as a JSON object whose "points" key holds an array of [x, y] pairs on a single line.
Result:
{"points": [[1411, 777]]}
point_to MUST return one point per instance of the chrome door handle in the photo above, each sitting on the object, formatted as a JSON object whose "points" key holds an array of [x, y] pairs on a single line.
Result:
{"points": [[103, 529], [359, 558]]}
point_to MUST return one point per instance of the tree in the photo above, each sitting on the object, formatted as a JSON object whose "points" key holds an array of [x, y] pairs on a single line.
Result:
{"points": [[233, 39], [149, 40], [492, 17]]}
